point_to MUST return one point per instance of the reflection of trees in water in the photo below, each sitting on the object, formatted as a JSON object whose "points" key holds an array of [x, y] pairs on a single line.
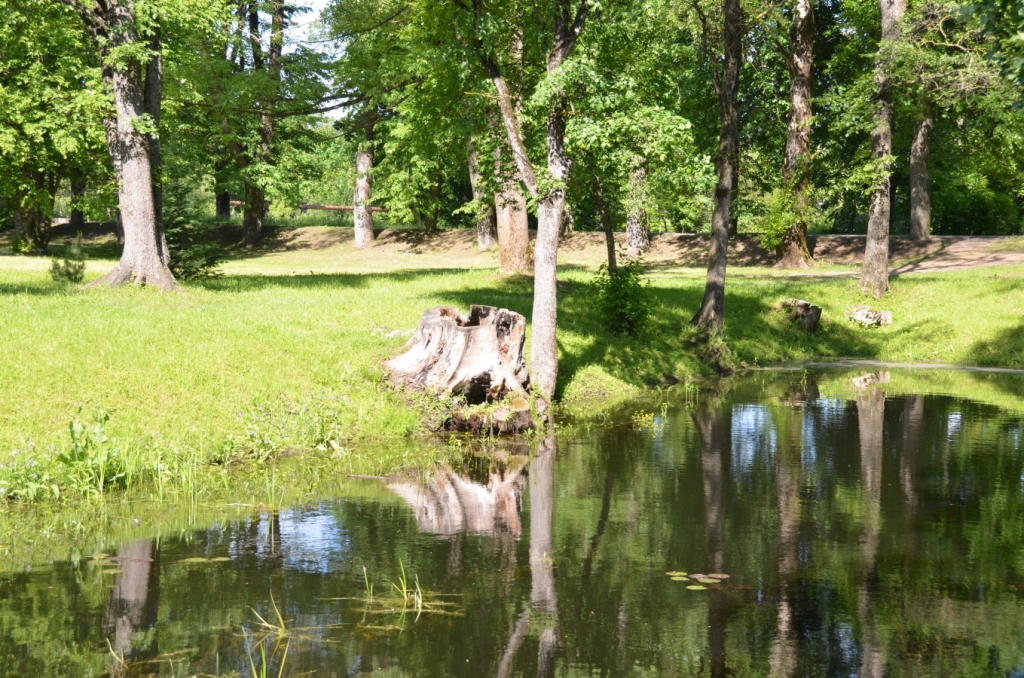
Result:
{"points": [[131, 610], [870, 423], [784, 649], [714, 445]]}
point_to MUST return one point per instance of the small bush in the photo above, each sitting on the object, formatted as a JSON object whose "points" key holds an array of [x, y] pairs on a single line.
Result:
{"points": [[624, 300], [72, 268], [191, 259]]}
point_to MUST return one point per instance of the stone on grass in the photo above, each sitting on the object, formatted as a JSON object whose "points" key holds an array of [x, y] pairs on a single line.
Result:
{"points": [[868, 317]]}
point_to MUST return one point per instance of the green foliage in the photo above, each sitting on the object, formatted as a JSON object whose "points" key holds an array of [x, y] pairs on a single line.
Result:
{"points": [[624, 300], [778, 214], [91, 461], [72, 267], [967, 205], [192, 258]]}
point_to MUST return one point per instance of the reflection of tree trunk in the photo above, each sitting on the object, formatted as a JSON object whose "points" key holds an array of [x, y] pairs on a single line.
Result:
{"points": [[913, 417], [787, 482], [712, 444], [132, 605], [519, 633], [871, 418], [543, 598]]}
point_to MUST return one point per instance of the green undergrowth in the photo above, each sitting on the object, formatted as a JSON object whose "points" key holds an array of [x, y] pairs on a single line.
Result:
{"points": [[252, 367]]}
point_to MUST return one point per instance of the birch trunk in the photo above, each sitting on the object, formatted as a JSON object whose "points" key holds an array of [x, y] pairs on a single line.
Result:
{"points": [[142, 259], [362, 215], [796, 170], [486, 227], [874, 277], [920, 188], [712, 308], [638, 234]]}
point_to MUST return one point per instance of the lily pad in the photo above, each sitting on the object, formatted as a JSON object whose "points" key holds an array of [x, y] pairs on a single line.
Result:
{"points": [[718, 575], [680, 579], [698, 576], [706, 580], [673, 573], [697, 587]]}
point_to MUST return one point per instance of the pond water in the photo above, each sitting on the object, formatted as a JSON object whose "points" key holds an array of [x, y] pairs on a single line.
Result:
{"points": [[843, 527]]}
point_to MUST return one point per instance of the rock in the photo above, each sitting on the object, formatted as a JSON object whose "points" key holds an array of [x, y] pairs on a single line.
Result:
{"points": [[478, 356], [868, 317]]}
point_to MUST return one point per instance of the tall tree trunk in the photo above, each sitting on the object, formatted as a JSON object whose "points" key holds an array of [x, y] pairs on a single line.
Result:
{"points": [[223, 206], [638, 233], [606, 224], [874, 277], [77, 221], [142, 259], [252, 213], [362, 215], [153, 98], [486, 227], [712, 308], [796, 170], [434, 209], [920, 188], [513, 225], [550, 200]]}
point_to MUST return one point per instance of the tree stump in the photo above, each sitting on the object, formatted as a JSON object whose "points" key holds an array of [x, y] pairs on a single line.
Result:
{"points": [[802, 312], [478, 356]]}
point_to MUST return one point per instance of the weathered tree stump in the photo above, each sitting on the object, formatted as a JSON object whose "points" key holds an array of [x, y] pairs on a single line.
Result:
{"points": [[802, 312], [478, 356]]}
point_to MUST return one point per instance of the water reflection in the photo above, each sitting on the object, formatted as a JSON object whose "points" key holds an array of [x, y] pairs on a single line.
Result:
{"points": [[865, 531]]}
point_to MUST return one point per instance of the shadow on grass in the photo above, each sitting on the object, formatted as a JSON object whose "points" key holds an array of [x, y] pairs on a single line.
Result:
{"points": [[1006, 349], [250, 283], [665, 351]]}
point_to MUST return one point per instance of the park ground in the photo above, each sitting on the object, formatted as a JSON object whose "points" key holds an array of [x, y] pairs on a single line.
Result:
{"points": [[283, 352]]}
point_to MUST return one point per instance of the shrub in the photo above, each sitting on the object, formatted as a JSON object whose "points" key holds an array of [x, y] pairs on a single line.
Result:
{"points": [[191, 259], [624, 300], [72, 268]]}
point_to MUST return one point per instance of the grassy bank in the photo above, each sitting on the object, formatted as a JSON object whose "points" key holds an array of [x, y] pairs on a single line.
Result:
{"points": [[284, 352]]}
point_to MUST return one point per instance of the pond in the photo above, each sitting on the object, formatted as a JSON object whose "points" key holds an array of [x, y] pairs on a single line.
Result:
{"points": [[783, 524]]}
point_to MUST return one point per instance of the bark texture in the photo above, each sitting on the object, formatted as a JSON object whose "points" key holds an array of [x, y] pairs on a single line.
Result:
{"points": [[511, 221], [874, 277], [479, 356], [920, 184], [142, 260], [486, 226], [638, 233], [712, 308], [154, 96], [796, 169], [362, 215]]}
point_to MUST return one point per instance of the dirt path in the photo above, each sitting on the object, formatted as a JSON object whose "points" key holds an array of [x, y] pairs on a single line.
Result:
{"points": [[959, 253]]}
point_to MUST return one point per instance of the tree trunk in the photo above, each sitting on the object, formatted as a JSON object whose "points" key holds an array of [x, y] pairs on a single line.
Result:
{"points": [[153, 97], [796, 170], [77, 221], [252, 214], [920, 189], [362, 215], [712, 308], [512, 223], [434, 209], [224, 206], [606, 224], [874, 277], [486, 228], [638, 233], [141, 260]]}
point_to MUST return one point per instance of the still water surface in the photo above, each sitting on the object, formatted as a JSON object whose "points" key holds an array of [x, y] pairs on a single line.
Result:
{"points": [[861, 533]]}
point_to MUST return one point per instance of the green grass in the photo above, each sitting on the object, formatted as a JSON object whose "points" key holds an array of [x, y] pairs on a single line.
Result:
{"points": [[284, 352]]}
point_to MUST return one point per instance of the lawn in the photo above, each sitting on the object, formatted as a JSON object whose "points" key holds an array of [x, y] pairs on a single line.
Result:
{"points": [[284, 351]]}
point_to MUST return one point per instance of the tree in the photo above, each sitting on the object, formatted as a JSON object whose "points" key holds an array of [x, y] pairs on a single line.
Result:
{"points": [[115, 27], [486, 226], [796, 169], [712, 308], [874, 277]]}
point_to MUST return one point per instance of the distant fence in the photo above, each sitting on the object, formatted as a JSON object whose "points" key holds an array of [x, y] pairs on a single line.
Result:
{"points": [[328, 208]]}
